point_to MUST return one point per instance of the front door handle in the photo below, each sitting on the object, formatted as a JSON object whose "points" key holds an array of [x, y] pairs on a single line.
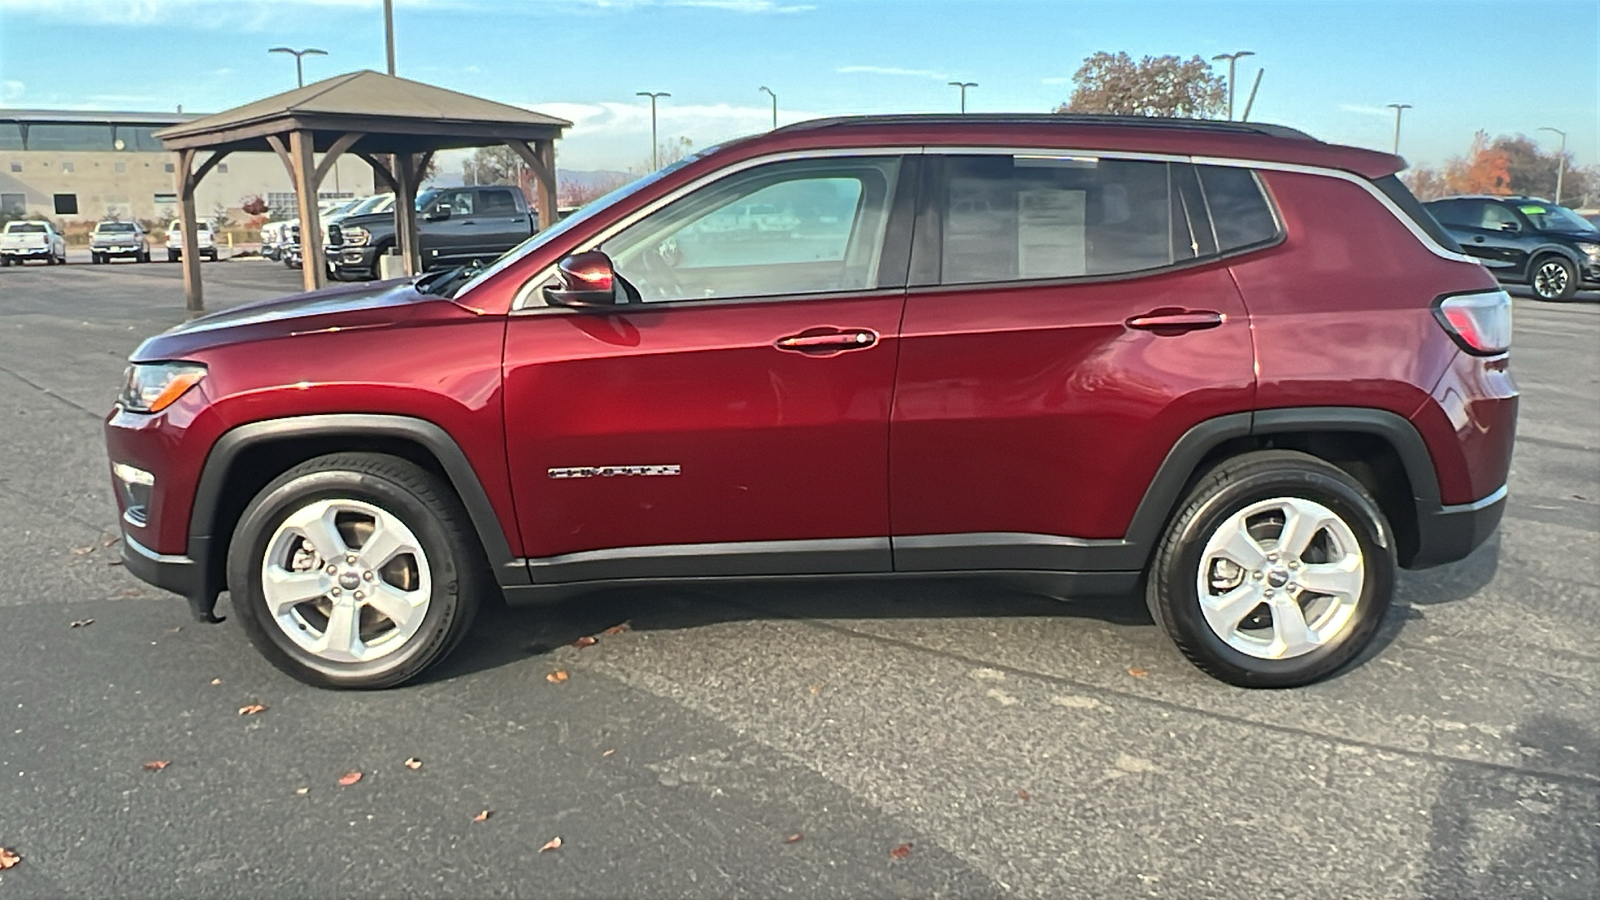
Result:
{"points": [[827, 341], [1478, 239], [1177, 320]]}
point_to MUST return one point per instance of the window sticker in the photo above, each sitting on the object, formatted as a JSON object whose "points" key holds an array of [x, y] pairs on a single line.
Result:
{"points": [[1532, 210], [1050, 234]]}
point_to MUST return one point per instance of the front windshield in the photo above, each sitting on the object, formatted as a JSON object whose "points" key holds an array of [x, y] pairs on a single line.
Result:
{"points": [[425, 198], [371, 204], [588, 212], [1548, 217], [115, 228]]}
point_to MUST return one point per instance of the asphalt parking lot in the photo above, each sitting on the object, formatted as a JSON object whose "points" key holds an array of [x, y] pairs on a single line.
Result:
{"points": [[1019, 746]]}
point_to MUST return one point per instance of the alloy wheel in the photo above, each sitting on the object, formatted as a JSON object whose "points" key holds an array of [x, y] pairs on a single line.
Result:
{"points": [[346, 580], [1281, 578], [1550, 281]]}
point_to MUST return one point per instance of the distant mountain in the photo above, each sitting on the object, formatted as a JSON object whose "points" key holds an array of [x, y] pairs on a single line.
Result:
{"points": [[591, 178]]}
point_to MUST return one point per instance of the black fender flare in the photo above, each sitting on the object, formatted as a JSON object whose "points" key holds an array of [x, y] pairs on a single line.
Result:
{"points": [[208, 499]]}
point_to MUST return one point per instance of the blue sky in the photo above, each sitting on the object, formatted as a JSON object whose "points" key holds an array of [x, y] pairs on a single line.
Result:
{"points": [[1507, 66]]}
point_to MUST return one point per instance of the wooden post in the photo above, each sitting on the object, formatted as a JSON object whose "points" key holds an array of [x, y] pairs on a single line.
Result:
{"points": [[541, 160], [405, 211], [313, 268], [194, 296]]}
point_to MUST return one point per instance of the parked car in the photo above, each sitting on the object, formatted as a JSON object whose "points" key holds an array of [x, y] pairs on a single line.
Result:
{"points": [[205, 242], [1525, 240], [112, 239], [271, 236], [1084, 354], [455, 226], [32, 239]]}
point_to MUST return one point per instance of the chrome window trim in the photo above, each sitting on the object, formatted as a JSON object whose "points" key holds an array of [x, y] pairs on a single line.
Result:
{"points": [[1416, 230], [528, 288], [524, 292]]}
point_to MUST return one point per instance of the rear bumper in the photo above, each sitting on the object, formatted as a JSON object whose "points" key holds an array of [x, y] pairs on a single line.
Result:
{"points": [[1450, 533], [117, 251], [26, 252]]}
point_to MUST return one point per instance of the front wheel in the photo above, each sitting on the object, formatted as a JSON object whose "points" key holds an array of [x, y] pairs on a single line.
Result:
{"points": [[355, 570], [1554, 278], [1276, 571]]}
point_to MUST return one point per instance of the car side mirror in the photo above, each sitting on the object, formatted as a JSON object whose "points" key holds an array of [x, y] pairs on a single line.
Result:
{"points": [[439, 213], [585, 280]]}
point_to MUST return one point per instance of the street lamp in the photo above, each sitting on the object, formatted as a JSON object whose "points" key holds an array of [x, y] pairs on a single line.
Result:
{"points": [[774, 97], [1232, 58], [963, 85], [299, 73], [655, 148], [1561, 164], [1399, 109]]}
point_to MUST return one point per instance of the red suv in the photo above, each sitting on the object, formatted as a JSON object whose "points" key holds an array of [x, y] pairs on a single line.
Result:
{"points": [[1227, 364]]}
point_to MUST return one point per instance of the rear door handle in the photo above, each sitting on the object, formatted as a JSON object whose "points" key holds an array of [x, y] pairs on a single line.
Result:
{"points": [[1177, 320], [827, 341]]}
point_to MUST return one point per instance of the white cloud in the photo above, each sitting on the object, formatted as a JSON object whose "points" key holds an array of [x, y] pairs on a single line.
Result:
{"points": [[891, 70], [11, 91], [617, 135]]}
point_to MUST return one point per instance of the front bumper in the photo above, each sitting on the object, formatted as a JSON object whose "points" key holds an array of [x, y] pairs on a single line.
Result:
{"points": [[356, 259], [1449, 533]]}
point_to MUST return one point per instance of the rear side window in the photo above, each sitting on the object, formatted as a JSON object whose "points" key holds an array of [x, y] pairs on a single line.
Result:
{"points": [[498, 202], [1239, 209], [1018, 218]]}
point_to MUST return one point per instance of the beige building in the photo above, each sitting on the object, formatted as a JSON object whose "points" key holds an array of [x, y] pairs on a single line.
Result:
{"points": [[71, 166]]}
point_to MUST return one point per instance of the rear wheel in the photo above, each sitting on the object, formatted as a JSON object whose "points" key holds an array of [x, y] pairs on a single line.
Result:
{"points": [[355, 570], [1276, 571], [1554, 278], [172, 256]]}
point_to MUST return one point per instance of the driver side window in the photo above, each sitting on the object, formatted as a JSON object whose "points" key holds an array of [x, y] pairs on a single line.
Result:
{"points": [[809, 226]]}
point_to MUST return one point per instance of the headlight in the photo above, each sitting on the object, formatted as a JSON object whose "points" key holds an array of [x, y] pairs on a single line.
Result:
{"points": [[356, 236], [152, 387], [1593, 252]]}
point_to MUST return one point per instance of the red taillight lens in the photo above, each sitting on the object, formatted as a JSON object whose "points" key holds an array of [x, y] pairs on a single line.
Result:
{"points": [[1480, 323]]}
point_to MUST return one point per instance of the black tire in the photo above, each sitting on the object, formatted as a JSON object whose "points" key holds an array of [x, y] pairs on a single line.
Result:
{"points": [[1172, 589], [96, 259], [1553, 277], [172, 256], [424, 503], [144, 257]]}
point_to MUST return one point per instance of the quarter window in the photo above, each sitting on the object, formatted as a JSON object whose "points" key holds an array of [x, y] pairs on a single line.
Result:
{"points": [[1239, 209], [1017, 218], [785, 228]]}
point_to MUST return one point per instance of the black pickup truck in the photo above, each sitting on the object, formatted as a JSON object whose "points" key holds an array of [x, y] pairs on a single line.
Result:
{"points": [[455, 225]]}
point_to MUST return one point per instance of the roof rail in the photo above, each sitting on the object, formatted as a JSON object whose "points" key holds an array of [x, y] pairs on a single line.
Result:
{"points": [[1212, 125]]}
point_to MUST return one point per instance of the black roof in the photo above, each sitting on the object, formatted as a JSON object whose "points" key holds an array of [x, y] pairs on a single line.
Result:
{"points": [[1055, 119]]}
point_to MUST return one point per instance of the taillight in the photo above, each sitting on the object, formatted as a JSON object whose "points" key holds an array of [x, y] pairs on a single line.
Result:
{"points": [[1480, 323]]}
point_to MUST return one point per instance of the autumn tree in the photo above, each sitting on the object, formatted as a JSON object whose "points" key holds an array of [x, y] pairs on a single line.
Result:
{"points": [[254, 205], [1154, 86], [1483, 170]]}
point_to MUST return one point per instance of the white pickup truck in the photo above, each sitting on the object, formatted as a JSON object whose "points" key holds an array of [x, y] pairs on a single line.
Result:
{"points": [[22, 241], [207, 248]]}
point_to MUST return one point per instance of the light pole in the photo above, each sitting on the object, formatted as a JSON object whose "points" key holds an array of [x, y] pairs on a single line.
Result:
{"points": [[1232, 59], [299, 73], [655, 148], [388, 31], [1399, 110], [963, 85], [1561, 161], [774, 97]]}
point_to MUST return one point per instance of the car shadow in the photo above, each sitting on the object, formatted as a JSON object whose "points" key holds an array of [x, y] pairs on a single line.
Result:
{"points": [[504, 635], [1415, 591]]}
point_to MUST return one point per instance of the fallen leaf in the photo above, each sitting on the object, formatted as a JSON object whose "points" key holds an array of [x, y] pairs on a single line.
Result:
{"points": [[8, 858], [252, 709], [156, 765], [1024, 795], [816, 689], [79, 551], [609, 752], [585, 641], [81, 623], [481, 817], [304, 790], [902, 851], [108, 542], [349, 778], [615, 629], [113, 562], [1137, 672], [413, 763], [552, 844], [793, 838], [557, 676], [216, 681]]}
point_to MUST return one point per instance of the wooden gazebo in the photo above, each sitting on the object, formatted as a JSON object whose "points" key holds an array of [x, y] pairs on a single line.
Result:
{"points": [[393, 124]]}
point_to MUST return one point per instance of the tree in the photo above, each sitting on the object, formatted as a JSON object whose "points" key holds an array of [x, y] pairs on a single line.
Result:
{"points": [[671, 150], [492, 165], [254, 205], [1154, 86], [1426, 183], [1483, 170]]}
